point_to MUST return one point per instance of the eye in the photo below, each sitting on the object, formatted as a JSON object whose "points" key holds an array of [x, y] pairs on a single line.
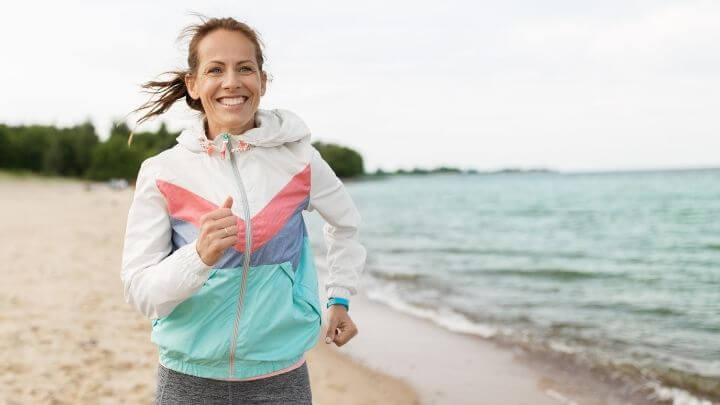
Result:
{"points": [[215, 69], [245, 69]]}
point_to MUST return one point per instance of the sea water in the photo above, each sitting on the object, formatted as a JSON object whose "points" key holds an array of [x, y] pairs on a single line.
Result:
{"points": [[620, 270]]}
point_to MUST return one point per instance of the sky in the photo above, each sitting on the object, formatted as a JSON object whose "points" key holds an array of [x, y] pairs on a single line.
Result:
{"points": [[567, 85]]}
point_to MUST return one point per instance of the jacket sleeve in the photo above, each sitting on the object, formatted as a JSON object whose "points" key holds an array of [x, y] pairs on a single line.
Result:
{"points": [[155, 280], [345, 255]]}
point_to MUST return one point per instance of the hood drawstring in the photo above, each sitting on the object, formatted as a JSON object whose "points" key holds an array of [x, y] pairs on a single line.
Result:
{"points": [[226, 139]]}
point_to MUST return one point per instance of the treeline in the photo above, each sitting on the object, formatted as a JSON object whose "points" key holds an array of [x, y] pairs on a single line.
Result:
{"points": [[421, 171], [455, 170], [78, 152], [49, 150]]}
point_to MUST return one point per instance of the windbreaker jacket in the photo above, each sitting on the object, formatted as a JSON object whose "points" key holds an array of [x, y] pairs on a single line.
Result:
{"points": [[257, 309]]}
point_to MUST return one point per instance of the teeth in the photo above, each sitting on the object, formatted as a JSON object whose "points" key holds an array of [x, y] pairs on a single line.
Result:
{"points": [[232, 101]]}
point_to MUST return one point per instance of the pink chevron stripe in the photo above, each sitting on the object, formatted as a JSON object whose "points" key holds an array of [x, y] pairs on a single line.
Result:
{"points": [[272, 218], [184, 204], [188, 206]]}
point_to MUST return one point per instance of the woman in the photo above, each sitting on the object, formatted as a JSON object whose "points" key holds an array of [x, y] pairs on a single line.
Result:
{"points": [[216, 251]]}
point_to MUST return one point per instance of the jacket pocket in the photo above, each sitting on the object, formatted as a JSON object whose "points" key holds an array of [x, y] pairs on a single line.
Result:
{"points": [[281, 319], [198, 330]]}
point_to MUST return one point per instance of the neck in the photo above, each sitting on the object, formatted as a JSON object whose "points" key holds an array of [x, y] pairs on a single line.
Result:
{"points": [[213, 130]]}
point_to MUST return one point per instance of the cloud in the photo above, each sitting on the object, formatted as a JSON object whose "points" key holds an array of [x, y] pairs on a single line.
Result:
{"points": [[565, 84]]}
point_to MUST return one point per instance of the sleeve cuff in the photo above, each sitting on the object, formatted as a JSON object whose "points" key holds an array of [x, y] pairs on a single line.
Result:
{"points": [[193, 260], [339, 292]]}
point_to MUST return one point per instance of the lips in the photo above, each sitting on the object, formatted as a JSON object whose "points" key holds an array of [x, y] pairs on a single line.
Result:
{"points": [[232, 101]]}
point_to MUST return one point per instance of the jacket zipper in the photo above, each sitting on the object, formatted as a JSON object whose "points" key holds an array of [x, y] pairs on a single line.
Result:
{"points": [[246, 258]]}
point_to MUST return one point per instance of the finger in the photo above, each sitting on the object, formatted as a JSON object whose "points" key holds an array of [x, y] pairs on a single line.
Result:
{"points": [[217, 213], [228, 202], [220, 224], [210, 226], [227, 242], [221, 244], [222, 233], [330, 334], [346, 332]]}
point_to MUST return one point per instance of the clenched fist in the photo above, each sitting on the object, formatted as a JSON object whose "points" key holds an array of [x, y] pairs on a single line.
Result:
{"points": [[218, 231], [340, 327]]}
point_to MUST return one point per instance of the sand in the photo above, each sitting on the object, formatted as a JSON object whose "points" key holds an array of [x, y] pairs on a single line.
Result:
{"points": [[66, 334]]}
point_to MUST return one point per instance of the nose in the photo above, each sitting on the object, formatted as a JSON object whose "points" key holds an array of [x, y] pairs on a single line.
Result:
{"points": [[231, 80]]}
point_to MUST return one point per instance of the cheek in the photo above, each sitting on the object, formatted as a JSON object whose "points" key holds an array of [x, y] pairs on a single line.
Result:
{"points": [[256, 88], [207, 89], [253, 85]]}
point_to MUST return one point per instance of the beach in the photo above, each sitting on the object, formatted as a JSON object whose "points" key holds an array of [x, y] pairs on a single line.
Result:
{"points": [[68, 337], [66, 334]]}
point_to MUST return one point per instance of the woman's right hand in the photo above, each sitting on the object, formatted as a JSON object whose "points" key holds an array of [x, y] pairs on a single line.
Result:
{"points": [[218, 231]]}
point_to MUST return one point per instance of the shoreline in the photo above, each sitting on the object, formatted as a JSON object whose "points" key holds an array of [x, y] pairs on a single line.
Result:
{"points": [[444, 367], [447, 366]]}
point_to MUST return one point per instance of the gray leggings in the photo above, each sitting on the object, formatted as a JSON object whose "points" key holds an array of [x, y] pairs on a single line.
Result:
{"points": [[292, 387]]}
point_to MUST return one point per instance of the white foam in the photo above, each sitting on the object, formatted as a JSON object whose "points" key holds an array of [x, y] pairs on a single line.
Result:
{"points": [[562, 347], [676, 395], [559, 397], [442, 317]]}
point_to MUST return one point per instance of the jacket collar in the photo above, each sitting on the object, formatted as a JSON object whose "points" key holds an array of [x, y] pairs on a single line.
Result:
{"points": [[272, 128]]}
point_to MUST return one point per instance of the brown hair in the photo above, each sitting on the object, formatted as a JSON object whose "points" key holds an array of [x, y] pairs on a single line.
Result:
{"points": [[165, 93]]}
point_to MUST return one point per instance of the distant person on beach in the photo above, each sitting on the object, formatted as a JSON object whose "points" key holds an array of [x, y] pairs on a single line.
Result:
{"points": [[216, 251]]}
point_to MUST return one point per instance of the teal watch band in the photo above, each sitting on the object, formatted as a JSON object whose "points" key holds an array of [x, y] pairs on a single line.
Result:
{"points": [[339, 301]]}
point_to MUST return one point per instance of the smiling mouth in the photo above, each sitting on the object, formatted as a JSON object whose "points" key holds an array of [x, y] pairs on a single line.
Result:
{"points": [[232, 101]]}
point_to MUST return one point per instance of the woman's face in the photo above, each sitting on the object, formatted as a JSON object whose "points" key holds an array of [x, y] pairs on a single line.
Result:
{"points": [[228, 82]]}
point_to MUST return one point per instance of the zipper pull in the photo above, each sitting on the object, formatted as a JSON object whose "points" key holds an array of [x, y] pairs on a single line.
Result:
{"points": [[226, 140]]}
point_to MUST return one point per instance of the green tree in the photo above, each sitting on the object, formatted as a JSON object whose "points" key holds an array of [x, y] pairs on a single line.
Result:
{"points": [[344, 161], [154, 141], [29, 144], [114, 159], [84, 143], [5, 152], [69, 150]]}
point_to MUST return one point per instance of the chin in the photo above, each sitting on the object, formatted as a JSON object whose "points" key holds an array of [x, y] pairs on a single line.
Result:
{"points": [[240, 123]]}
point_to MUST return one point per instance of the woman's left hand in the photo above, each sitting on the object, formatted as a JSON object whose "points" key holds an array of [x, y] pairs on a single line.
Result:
{"points": [[340, 327]]}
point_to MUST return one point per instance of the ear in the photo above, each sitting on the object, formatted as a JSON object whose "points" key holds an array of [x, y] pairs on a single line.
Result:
{"points": [[190, 85], [263, 85]]}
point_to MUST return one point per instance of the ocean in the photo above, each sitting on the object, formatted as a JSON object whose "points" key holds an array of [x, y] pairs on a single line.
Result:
{"points": [[616, 271]]}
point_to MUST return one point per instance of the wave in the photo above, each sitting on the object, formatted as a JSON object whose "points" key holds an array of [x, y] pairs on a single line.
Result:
{"points": [[691, 382], [541, 273], [479, 251], [447, 319], [657, 382], [553, 274], [396, 276]]}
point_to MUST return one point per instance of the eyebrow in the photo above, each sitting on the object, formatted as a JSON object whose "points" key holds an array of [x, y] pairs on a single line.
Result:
{"points": [[223, 63]]}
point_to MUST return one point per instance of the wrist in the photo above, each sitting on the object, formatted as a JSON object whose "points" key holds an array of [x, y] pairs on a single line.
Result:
{"points": [[198, 257], [339, 301]]}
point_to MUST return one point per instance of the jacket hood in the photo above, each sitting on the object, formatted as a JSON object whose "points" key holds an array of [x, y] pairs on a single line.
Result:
{"points": [[272, 128]]}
